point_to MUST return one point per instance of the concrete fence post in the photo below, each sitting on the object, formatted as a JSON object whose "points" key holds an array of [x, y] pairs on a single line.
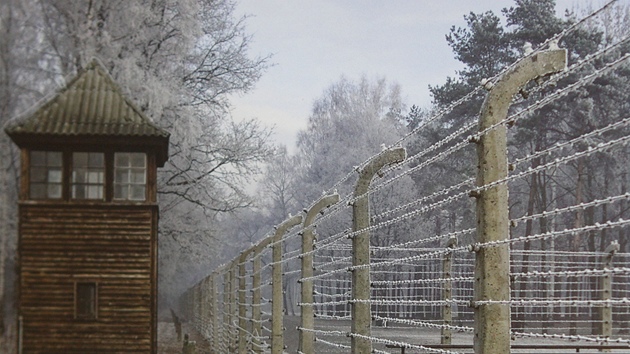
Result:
{"points": [[198, 304], [225, 331], [210, 307], [256, 315], [230, 308], [192, 306], [256, 300], [242, 303], [204, 306], [277, 317], [234, 306], [199, 315], [203, 298], [606, 292], [447, 293], [361, 309], [215, 312], [195, 307], [306, 336], [201, 306], [492, 266]]}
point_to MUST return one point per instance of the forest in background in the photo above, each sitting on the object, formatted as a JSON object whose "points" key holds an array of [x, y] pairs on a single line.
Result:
{"points": [[180, 61], [355, 118]]}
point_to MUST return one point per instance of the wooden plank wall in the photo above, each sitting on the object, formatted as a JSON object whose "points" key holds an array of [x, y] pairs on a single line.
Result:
{"points": [[112, 245]]}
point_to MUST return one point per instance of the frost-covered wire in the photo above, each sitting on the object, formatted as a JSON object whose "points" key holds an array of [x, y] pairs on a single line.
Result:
{"points": [[552, 234], [581, 206], [616, 126]]}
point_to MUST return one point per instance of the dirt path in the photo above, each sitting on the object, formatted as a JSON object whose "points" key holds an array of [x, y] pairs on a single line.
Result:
{"points": [[168, 343]]}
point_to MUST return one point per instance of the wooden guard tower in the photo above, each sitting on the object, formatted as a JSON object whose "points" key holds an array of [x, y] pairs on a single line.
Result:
{"points": [[88, 219]]}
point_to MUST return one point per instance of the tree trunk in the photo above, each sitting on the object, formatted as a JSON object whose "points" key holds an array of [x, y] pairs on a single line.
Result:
{"points": [[547, 245], [522, 286], [579, 222], [603, 243]]}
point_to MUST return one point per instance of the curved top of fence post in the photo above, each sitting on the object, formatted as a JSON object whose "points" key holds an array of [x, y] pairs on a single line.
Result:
{"points": [[452, 242], [286, 225], [496, 105], [234, 263], [612, 248], [361, 315], [368, 171], [492, 266], [262, 244], [220, 268], [243, 256], [323, 202]]}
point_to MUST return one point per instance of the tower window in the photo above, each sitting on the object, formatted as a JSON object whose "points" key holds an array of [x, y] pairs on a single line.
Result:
{"points": [[45, 174], [85, 300], [130, 176], [88, 175]]}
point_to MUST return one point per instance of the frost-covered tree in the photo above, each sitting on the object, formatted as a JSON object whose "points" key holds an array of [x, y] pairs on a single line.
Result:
{"points": [[275, 199], [592, 106], [486, 46], [278, 186], [15, 32], [348, 124], [179, 61]]}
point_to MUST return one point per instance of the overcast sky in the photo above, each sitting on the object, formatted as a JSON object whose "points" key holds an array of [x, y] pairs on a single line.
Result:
{"points": [[314, 42]]}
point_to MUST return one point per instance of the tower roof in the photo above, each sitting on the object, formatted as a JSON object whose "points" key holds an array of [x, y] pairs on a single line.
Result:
{"points": [[91, 105]]}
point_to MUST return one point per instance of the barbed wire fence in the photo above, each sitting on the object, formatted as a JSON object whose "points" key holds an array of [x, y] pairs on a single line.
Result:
{"points": [[462, 266]]}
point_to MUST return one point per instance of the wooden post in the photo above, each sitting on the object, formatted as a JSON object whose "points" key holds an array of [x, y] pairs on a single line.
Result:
{"points": [[447, 295], [361, 310], [606, 292], [492, 264], [277, 341], [307, 338]]}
